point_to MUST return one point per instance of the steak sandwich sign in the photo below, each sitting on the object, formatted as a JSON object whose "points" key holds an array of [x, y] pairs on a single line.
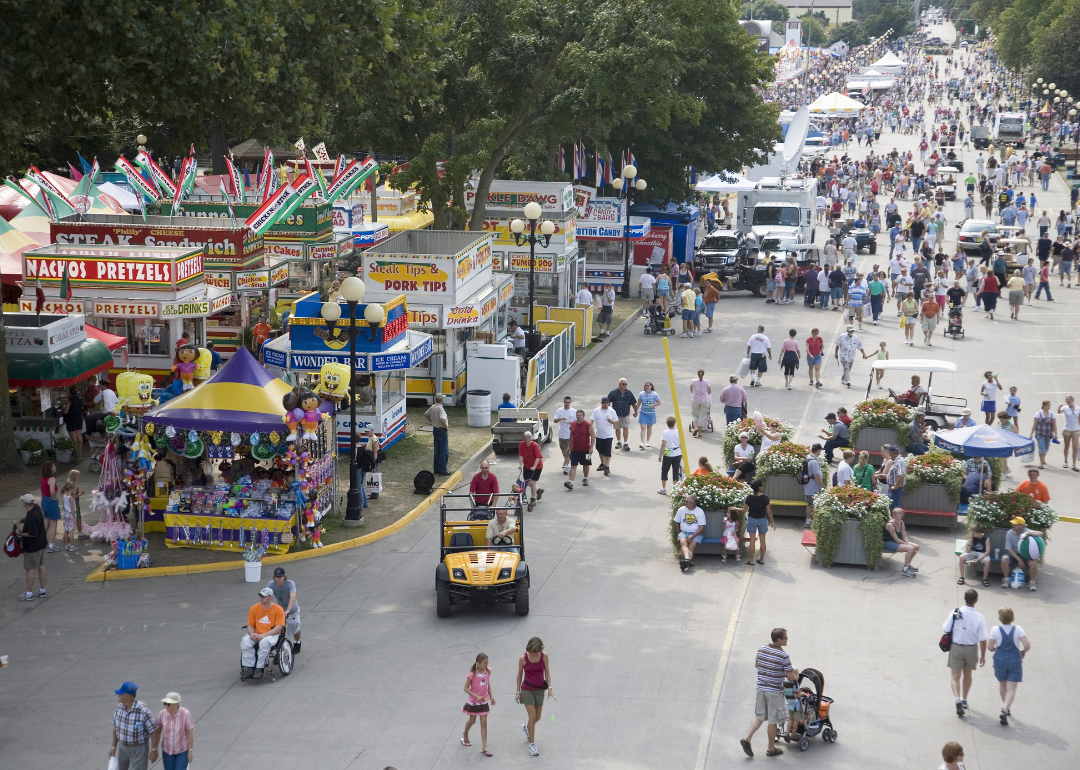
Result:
{"points": [[223, 246]]}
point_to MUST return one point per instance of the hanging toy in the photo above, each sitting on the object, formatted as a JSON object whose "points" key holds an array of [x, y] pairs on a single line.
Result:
{"points": [[290, 457], [309, 403], [334, 384], [316, 538], [185, 365]]}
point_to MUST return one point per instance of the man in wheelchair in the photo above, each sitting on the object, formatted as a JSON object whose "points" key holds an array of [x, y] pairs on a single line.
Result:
{"points": [[266, 622]]}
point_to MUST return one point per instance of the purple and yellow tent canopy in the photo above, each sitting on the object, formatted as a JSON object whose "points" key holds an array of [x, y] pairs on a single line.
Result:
{"points": [[241, 397]]}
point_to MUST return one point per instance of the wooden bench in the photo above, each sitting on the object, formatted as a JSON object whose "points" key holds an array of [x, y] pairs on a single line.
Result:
{"points": [[809, 542], [961, 547], [946, 519]]}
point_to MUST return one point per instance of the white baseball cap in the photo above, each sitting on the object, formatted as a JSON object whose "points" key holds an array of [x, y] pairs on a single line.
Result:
{"points": [[28, 499]]}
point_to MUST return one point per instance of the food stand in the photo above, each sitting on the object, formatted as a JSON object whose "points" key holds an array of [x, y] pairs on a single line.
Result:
{"points": [[238, 482], [446, 277], [557, 270], [384, 356], [601, 241]]}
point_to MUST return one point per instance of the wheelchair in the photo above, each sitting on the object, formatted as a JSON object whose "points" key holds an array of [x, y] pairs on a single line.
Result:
{"points": [[281, 656]]}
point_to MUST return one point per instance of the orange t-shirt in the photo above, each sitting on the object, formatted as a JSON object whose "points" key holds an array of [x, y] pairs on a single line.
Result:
{"points": [[700, 472], [261, 333], [263, 620], [1037, 491]]}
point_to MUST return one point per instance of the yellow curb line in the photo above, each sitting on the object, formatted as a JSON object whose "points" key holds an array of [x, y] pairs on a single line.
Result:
{"points": [[101, 574], [1073, 519]]}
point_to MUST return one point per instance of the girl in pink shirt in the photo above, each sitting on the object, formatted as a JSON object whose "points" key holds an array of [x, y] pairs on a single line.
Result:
{"points": [[789, 357], [479, 701]]}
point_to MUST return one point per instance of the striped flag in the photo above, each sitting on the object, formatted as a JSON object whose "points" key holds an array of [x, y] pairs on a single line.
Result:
{"points": [[43, 202], [352, 177], [339, 167], [95, 167], [40, 305], [65, 284], [228, 204], [583, 161], [607, 168], [599, 170], [630, 157], [186, 183], [135, 179], [237, 182], [41, 181], [623, 160], [267, 183], [574, 163], [283, 202], [321, 181], [247, 178], [164, 182]]}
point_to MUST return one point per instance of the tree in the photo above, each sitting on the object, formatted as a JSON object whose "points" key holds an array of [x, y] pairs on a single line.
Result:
{"points": [[765, 10], [1019, 27], [816, 36], [851, 32], [1054, 60], [896, 18]]}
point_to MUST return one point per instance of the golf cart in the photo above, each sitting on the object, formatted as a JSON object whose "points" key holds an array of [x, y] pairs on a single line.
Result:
{"points": [[980, 137], [941, 411], [864, 238], [947, 181], [509, 431], [1015, 248], [472, 572]]}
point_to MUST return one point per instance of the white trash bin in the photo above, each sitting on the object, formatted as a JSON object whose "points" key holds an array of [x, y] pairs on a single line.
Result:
{"points": [[478, 406]]}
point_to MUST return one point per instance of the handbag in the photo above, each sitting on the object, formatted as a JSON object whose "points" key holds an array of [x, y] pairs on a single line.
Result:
{"points": [[945, 643], [373, 483], [13, 546]]}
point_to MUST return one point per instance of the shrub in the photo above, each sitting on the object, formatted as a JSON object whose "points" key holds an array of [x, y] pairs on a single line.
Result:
{"points": [[731, 435], [714, 492], [936, 467], [880, 413], [31, 445], [994, 510], [64, 444], [835, 506], [783, 459]]}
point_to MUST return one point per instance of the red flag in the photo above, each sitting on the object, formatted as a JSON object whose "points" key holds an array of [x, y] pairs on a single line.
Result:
{"points": [[40, 297]]}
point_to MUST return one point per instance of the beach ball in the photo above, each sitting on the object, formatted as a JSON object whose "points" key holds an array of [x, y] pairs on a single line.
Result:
{"points": [[1032, 547]]}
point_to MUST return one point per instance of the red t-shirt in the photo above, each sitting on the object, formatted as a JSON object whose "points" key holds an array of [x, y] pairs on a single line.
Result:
{"points": [[814, 345], [990, 284], [483, 488], [580, 437], [530, 453]]}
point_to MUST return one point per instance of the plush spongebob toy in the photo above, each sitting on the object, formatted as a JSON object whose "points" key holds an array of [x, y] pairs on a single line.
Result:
{"points": [[334, 384], [135, 392], [202, 366]]}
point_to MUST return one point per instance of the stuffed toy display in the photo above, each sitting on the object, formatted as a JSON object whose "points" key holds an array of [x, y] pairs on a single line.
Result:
{"points": [[185, 365]]}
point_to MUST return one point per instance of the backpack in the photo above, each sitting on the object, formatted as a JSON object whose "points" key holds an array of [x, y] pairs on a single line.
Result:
{"points": [[803, 476]]}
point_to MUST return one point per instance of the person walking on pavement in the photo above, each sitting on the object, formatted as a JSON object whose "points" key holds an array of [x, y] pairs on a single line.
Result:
{"points": [[32, 538], [846, 346], [968, 650], [175, 734], [700, 401], [582, 441], [479, 700], [533, 681], [670, 456], [285, 596], [133, 725], [564, 415], [623, 402], [773, 667], [531, 462], [733, 397], [758, 347], [604, 420], [1009, 644], [648, 400], [436, 417], [814, 346]]}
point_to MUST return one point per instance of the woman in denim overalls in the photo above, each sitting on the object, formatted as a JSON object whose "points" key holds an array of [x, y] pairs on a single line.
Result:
{"points": [[1009, 644]]}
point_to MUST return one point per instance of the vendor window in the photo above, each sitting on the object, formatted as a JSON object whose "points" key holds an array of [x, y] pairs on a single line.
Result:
{"points": [[151, 337]]}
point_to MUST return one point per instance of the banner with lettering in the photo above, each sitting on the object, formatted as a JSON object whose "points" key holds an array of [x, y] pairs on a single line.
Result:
{"points": [[163, 181], [237, 181], [280, 204], [267, 181], [135, 179], [352, 177]]}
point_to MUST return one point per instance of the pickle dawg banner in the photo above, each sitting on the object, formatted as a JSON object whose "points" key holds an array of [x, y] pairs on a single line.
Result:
{"points": [[186, 181], [161, 179], [281, 204], [351, 178]]}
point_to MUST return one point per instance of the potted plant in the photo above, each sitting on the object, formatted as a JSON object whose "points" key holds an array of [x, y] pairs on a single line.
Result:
{"points": [[879, 422], [714, 493], [64, 447], [746, 425], [777, 466], [933, 484], [30, 449], [849, 525], [994, 510]]}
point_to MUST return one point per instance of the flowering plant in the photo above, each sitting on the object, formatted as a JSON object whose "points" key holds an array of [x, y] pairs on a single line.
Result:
{"points": [[783, 459], [746, 425], [880, 413], [994, 511], [834, 506], [713, 492], [936, 467]]}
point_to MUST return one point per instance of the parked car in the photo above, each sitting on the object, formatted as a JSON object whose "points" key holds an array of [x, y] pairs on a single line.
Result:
{"points": [[717, 254], [971, 234]]}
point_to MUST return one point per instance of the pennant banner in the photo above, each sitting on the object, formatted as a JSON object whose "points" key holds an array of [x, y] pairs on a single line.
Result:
{"points": [[228, 203], [237, 182], [39, 179], [352, 177], [341, 163], [163, 181], [300, 148], [95, 167], [135, 179], [280, 204], [268, 182], [186, 181], [319, 151]]}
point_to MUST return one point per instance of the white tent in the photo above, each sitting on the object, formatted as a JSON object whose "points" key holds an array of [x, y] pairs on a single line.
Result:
{"points": [[734, 183], [123, 197], [889, 61], [836, 104]]}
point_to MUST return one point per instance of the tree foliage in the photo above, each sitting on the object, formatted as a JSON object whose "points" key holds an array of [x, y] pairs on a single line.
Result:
{"points": [[766, 10], [895, 18], [1053, 58]]}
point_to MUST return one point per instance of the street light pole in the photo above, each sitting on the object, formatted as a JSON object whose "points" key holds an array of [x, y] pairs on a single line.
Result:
{"points": [[547, 229], [626, 184]]}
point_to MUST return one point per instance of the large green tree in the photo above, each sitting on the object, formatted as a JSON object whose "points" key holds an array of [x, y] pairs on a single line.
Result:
{"points": [[1054, 58], [766, 10], [895, 18]]}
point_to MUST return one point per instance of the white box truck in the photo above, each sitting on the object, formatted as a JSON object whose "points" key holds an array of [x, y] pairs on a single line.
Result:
{"points": [[1009, 128], [778, 207]]}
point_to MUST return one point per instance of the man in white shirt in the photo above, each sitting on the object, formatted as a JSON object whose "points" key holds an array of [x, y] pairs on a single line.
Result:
{"points": [[758, 347], [850, 245], [844, 473], [647, 285], [517, 336], [584, 296], [107, 397], [604, 420], [691, 521], [564, 415], [968, 649]]}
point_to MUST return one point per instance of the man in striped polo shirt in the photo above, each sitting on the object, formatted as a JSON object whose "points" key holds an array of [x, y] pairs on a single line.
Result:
{"points": [[773, 667]]}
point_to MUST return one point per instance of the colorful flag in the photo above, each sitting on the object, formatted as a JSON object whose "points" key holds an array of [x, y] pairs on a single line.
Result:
{"points": [[268, 182], [607, 168], [135, 179], [247, 178], [582, 161], [630, 157], [351, 178], [228, 203], [237, 182], [623, 160], [281, 204], [43, 202], [300, 148], [95, 167], [41, 181], [186, 182], [321, 181], [65, 285], [82, 163], [75, 174], [158, 176], [319, 151], [339, 167], [599, 170], [562, 159]]}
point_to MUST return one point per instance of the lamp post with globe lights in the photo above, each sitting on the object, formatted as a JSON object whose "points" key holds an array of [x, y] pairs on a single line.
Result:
{"points": [[547, 229], [624, 186]]}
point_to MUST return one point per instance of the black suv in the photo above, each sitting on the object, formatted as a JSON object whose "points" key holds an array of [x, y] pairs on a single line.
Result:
{"points": [[718, 254]]}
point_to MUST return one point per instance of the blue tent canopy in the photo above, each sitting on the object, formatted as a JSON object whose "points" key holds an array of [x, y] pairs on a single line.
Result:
{"points": [[983, 441]]}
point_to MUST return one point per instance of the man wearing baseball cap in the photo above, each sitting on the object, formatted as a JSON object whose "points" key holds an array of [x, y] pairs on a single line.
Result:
{"points": [[285, 595], [33, 540], [133, 724], [266, 621]]}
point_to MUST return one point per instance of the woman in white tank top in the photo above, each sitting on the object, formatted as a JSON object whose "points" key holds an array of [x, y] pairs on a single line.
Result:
{"points": [[1070, 434]]}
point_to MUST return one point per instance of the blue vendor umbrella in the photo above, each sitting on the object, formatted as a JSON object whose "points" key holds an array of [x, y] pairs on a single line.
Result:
{"points": [[983, 441]]}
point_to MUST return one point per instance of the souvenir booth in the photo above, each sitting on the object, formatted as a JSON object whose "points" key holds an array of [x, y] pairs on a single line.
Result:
{"points": [[240, 473], [446, 278], [315, 354]]}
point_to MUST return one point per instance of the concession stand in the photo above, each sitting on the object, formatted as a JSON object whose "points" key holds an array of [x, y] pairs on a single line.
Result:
{"points": [[447, 280], [558, 268], [384, 357], [601, 241]]}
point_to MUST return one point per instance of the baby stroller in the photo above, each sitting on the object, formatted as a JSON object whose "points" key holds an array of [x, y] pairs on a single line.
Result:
{"points": [[657, 321], [956, 322], [809, 707]]}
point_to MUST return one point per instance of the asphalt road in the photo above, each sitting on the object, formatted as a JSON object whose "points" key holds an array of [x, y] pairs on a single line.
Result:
{"points": [[653, 668]]}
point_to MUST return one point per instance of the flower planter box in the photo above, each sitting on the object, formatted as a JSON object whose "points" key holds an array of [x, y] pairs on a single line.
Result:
{"points": [[940, 511], [872, 440], [851, 549], [714, 530], [786, 495]]}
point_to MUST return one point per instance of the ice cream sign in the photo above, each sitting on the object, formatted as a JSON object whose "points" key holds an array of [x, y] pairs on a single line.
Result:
{"points": [[418, 277]]}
